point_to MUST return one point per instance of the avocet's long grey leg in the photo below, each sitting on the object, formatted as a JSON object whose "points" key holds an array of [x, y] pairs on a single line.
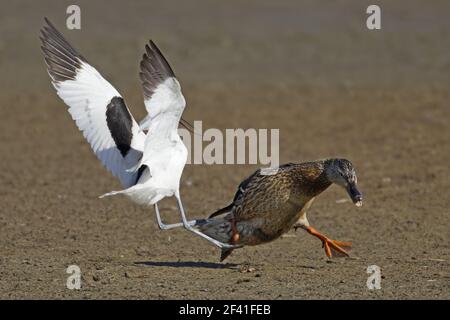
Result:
{"points": [[164, 226], [197, 232]]}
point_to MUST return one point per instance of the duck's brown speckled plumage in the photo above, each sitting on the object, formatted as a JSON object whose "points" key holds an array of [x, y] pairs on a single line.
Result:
{"points": [[266, 206], [281, 197]]}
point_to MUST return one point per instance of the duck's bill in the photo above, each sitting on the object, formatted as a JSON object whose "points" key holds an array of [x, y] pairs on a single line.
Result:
{"points": [[355, 194]]}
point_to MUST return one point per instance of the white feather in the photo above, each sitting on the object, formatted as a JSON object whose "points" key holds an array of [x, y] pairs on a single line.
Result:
{"points": [[87, 97], [167, 98], [164, 152]]}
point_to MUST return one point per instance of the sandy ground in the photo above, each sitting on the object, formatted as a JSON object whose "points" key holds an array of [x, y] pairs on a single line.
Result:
{"points": [[313, 70]]}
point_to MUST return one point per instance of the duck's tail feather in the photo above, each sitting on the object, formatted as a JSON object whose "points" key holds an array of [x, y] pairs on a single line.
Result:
{"points": [[225, 253], [218, 226]]}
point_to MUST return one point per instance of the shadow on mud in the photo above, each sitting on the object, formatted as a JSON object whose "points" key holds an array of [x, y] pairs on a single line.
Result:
{"points": [[188, 264]]}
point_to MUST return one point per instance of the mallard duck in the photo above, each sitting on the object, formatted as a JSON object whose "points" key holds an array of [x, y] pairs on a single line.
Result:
{"points": [[268, 204]]}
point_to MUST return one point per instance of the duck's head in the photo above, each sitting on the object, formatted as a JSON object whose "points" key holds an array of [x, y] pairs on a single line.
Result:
{"points": [[341, 172]]}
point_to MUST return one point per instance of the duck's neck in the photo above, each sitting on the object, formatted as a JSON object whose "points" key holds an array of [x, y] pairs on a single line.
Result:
{"points": [[312, 177]]}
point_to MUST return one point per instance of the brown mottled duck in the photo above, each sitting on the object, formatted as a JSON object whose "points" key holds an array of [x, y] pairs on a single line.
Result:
{"points": [[268, 205]]}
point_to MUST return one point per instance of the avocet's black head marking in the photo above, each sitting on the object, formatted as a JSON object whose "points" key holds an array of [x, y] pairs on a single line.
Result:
{"points": [[120, 124]]}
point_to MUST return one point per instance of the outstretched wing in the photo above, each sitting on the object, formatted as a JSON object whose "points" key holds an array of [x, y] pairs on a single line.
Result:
{"points": [[237, 196], [162, 91], [97, 108], [257, 186]]}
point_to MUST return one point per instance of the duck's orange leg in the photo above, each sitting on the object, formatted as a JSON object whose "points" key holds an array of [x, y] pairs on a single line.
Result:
{"points": [[329, 244]]}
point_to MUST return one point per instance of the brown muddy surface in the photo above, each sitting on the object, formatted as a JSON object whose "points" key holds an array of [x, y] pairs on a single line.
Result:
{"points": [[313, 70]]}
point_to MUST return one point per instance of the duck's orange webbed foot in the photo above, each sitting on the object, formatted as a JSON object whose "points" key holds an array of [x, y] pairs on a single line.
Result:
{"points": [[332, 247]]}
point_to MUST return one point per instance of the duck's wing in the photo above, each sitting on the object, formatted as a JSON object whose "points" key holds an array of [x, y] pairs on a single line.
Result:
{"points": [[259, 193], [243, 186], [224, 210], [98, 109], [162, 91]]}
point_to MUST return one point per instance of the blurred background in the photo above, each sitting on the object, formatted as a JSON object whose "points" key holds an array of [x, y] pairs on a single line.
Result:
{"points": [[310, 68]]}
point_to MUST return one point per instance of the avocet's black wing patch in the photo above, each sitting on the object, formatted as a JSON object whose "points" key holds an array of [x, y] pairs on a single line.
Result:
{"points": [[120, 124], [97, 108]]}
